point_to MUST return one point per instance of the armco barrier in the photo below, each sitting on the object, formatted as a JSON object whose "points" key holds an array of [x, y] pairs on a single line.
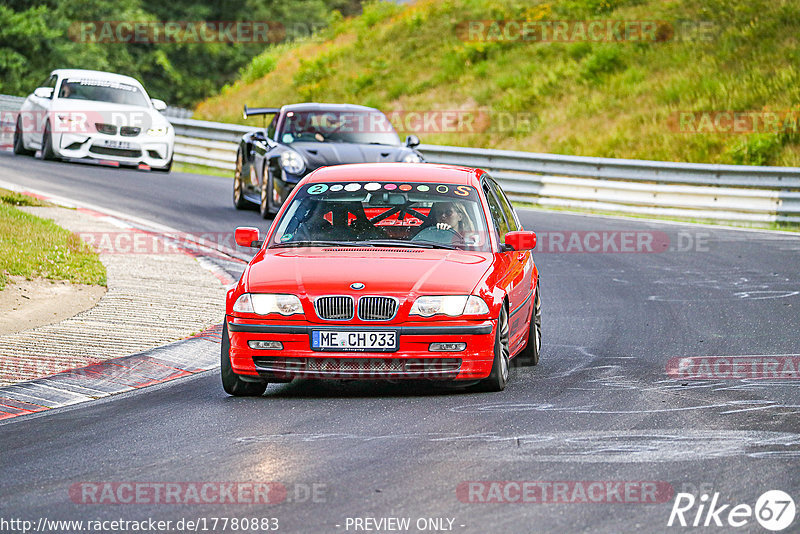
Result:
{"points": [[695, 190]]}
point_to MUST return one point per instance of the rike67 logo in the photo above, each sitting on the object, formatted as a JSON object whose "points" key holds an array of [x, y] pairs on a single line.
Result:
{"points": [[774, 510]]}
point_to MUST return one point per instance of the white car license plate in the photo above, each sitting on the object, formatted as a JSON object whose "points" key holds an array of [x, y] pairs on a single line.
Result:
{"points": [[354, 340], [124, 145]]}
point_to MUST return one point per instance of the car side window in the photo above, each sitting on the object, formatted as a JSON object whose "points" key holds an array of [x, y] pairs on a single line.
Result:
{"points": [[271, 128], [505, 204], [496, 212]]}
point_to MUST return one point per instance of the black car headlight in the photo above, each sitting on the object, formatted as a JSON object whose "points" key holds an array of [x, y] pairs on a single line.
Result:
{"points": [[292, 162]]}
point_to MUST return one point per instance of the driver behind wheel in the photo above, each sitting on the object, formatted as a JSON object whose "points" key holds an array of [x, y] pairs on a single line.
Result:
{"points": [[451, 217]]}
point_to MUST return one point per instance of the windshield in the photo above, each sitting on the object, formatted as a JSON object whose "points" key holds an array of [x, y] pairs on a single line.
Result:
{"points": [[102, 91], [396, 214], [366, 127]]}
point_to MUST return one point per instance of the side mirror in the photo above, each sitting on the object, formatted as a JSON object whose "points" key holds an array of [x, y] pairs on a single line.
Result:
{"points": [[522, 240], [43, 92], [247, 236], [412, 141], [159, 105]]}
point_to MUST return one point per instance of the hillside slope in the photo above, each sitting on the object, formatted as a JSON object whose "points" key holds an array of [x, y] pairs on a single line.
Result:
{"points": [[570, 95]]}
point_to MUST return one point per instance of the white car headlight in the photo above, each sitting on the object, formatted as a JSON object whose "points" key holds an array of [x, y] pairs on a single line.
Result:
{"points": [[265, 303], [412, 157], [452, 305], [292, 162], [158, 132]]}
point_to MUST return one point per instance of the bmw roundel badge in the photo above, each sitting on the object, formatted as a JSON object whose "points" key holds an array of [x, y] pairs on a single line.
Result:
{"points": [[356, 286]]}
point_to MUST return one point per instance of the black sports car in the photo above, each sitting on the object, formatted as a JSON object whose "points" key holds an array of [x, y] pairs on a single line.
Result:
{"points": [[303, 137]]}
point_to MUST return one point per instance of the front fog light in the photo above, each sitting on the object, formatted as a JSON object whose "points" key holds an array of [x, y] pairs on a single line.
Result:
{"points": [[447, 347], [265, 345]]}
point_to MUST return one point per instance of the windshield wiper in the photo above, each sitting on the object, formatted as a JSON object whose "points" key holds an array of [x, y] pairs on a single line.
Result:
{"points": [[409, 244], [315, 243]]}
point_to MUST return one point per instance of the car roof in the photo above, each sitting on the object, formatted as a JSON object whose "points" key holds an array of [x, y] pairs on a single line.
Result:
{"points": [[398, 172], [311, 106], [95, 74]]}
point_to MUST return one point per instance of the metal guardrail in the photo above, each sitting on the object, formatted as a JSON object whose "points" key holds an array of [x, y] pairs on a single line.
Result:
{"points": [[694, 190]]}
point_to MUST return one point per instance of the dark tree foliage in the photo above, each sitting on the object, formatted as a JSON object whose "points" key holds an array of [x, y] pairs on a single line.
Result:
{"points": [[37, 37]]}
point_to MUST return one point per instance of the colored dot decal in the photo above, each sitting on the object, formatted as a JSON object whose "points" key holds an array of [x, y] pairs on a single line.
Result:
{"points": [[405, 187], [337, 187], [442, 189], [352, 187], [372, 186], [286, 237], [390, 187], [317, 189], [423, 188]]}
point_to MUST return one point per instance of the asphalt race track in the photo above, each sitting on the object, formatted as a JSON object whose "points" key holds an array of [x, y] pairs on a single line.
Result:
{"points": [[600, 407]]}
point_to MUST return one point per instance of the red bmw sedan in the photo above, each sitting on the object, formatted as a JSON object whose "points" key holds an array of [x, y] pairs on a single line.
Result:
{"points": [[385, 271]]}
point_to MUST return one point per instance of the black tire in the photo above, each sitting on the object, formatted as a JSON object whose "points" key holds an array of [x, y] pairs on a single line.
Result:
{"points": [[165, 170], [265, 207], [239, 201], [498, 378], [19, 146], [47, 144], [231, 382], [530, 354]]}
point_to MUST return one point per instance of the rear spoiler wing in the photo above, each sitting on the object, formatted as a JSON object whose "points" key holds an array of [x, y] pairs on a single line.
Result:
{"points": [[259, 111]]}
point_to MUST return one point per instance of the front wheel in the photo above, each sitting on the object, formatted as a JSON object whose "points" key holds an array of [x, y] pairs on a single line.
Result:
{"points": [[231, 382], [530, 354], [265, 207], [47, 144], [498, 378], [19, 146], [238, 194]]}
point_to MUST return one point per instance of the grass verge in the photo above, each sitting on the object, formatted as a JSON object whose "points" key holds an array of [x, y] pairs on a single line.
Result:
{"points": [[34, 247]]}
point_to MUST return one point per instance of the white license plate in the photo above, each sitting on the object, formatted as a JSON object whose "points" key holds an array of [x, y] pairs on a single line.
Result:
{"points": [[354, 340], [124, 145]]}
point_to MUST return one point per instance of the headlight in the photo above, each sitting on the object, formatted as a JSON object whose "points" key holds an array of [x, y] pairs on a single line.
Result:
{"points": [[158, 132], [452, 305], [265, 303], [292, 162], [412, 157]]}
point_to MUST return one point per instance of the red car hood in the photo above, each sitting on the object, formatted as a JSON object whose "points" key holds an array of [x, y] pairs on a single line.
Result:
{"points": [[393, 272]]}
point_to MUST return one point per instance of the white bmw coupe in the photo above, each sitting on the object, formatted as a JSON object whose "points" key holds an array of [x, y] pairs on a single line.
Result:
{"points": [[78, 114]]}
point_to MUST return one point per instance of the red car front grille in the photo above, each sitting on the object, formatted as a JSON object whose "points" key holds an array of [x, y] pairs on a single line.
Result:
{"points": [[335, 308]]}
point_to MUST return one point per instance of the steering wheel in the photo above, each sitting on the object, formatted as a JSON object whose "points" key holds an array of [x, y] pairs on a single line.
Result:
{"points": [[442, 236]]}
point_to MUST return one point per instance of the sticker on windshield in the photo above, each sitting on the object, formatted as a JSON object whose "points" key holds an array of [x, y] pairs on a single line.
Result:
{"points": [[423, 188], [286, 237], [390, 187], [443, 189], [317, 189], [337, 187], [405, 187], [372, 186], [352, 187]]}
